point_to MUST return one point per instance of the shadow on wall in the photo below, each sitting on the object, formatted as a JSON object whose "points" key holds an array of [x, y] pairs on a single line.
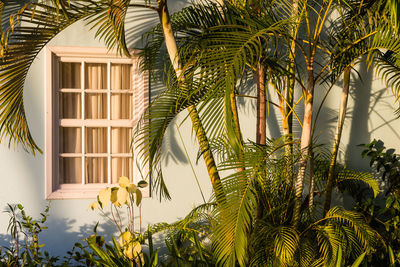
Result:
{"points": [[11, 8], [62, 234], [365, 115], [247, 105], [140, 20], [361, 93]]}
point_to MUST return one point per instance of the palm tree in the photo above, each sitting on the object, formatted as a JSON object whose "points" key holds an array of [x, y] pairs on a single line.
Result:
{"points": [[228, 51], [357, 17]]}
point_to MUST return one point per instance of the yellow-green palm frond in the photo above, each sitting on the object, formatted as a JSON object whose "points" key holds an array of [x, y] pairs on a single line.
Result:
{"points": [[254, 190], [234, 219], [388, 67], [347, 178], [346, 230], [215, 58], [31, 28], [286, 244], [110, 24]]}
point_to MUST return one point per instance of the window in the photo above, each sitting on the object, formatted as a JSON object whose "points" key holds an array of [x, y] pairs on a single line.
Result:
{"points": [[94, 98]]}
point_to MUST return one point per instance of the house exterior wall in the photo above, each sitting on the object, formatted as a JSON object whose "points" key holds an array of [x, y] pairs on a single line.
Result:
{"points": [[23, 177]]}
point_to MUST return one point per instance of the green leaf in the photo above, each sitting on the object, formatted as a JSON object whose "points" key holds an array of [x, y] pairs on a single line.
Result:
{"points": [[339, 257], [391, 256], [359, 260], [138, 197], [142, 184]]}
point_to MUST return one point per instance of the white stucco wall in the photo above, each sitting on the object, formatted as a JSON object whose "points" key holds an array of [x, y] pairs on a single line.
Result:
{"points": [[22, 175]]}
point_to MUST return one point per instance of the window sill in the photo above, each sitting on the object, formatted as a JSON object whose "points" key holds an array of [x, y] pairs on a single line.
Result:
{"points": [[77, 191]]}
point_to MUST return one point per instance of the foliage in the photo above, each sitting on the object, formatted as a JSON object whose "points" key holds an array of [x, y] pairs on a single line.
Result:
{"points": [[126, 195], [25, 248], [253, 227], [383, 213], [97, 252], [189, 240], [266, 215], [128, 250]]}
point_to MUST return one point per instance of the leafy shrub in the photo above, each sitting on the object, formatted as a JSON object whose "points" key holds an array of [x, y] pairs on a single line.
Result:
{"points": [[25, 248], [128, 250], [383, 214], [96, 252]]}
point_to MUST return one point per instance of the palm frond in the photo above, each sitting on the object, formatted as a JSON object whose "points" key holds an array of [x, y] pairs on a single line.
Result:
{"points": [[343, 229], [110, 24], [235, 216], [347, 177], [286, 244], [31, 28]]}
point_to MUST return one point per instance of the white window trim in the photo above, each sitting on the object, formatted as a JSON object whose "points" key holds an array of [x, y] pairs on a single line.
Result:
{"points": [[140, 102]]}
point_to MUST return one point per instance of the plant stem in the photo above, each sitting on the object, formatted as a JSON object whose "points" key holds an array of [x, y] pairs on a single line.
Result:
{"points": [[261, 127], [312, 184], [287, 123], [207, 154], [304, 144], [190, 162], [338, 135], [193, 113], [238, 132]]}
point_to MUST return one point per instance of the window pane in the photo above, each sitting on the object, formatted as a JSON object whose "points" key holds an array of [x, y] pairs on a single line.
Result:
{"points": [[70, 170], [70, 75], [96, 106], [121, 106], [95, 76], [96, 140], [121, 77], [120, 167], [70, 106], [96, 170], [121, 139], [70, 140]]}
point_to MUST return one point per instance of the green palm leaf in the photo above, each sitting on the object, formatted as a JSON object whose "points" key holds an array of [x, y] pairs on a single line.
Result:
{"points": [[30, 30]]}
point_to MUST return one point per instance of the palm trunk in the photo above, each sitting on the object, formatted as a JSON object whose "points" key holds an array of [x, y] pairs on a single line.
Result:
{"points": [[304, 145], [338, 135], [312, 184], [194, 115], [287, 106], [207, 154], [287, 123], [238, 133], [261, 134]]}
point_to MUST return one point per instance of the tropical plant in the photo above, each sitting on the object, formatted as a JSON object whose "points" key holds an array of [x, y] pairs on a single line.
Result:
{"points": [[126, 195], [25, 248], [260, 213], [98, 253], [253, 226], [45, 19], [356, 20], [221, 57], [189, 240], [383, 213]]}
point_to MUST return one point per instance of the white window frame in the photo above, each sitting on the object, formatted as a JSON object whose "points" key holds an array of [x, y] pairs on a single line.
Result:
{"points": [[54, 190]]}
